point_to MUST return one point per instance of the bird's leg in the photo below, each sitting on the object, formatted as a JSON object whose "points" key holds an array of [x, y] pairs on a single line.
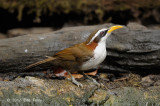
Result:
{"points": [[74, 80], [92, 79]]}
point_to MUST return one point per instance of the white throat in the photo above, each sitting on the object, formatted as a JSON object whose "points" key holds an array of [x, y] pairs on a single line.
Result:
{"points": [[99, 56]]}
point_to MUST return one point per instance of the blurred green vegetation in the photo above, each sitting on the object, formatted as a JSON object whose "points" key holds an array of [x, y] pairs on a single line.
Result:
{"points": [[99, 7]]}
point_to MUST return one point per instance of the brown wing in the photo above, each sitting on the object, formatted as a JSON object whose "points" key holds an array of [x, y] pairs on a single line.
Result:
{"points": [[77, 53], [72, 58]]}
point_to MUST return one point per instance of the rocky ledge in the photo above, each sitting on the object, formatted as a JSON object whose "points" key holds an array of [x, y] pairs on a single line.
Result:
{"points": [[134, 49], [131, 90]]}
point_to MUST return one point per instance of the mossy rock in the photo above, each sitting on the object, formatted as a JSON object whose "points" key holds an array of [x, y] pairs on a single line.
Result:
{"points": [[134, 97]]}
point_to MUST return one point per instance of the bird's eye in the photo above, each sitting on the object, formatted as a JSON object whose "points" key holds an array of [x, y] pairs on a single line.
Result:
{"points": [[103, 33]]}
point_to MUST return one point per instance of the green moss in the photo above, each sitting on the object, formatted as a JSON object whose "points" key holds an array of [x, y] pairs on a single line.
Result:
{"points": [[134, 97]]}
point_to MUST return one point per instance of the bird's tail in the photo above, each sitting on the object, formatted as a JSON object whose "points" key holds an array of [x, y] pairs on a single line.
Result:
{"points": [[40, 62]]}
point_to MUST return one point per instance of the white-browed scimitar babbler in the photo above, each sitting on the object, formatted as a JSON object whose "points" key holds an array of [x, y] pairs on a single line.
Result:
{"points": [[82, 57]]}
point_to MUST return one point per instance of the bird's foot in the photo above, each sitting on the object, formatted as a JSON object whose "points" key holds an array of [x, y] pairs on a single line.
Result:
{"points": [[75, 81], [92, 79]]}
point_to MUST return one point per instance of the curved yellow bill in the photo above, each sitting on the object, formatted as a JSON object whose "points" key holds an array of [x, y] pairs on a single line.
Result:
{"points": [[114, 28]]}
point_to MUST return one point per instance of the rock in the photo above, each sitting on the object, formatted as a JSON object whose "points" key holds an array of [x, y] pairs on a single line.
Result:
{"points": [[38, 91], [98, 97], [155, 27], [151, 80], [35, 30], [103, 75], [131, 49], [31, 90], [136, 26], [134, 97], [3, 36]]}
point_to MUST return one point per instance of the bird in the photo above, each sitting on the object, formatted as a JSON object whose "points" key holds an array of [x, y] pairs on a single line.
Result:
{"points": [[83, 56]]}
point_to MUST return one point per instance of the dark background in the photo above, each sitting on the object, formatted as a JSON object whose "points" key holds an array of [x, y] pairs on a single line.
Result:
{"points": [[56, 14]]}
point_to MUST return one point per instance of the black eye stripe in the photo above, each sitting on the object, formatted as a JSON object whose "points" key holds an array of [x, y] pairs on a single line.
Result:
{"points": [[103, 33]]}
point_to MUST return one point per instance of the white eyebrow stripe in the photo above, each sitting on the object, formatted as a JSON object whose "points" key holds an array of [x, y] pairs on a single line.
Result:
{"points": [[96, 35]]}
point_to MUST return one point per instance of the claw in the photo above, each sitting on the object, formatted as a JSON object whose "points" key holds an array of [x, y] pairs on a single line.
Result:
{"points": [[75, 81]]}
